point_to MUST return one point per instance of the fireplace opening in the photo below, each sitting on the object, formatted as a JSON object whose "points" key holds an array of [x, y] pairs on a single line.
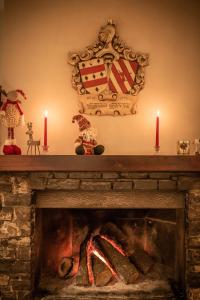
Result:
{"points": [[113, 253]]}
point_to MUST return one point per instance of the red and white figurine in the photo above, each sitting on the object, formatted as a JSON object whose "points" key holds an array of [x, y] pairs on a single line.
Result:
{"points": [[86, 143], [12, 116]]}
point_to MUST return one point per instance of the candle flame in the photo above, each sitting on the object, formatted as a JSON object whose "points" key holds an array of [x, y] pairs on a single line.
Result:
{"points": [[158, 113], [46, 113]]}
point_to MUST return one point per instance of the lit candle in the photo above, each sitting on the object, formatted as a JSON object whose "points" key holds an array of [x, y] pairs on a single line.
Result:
{"points": [[157, 143], [45, 147]]}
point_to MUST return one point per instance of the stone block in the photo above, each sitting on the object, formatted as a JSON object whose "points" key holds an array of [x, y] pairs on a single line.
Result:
{"points": [[20, 185], [85, 175], [166, 184], [22, 214], [8, 267], [194, 211], [1, 199], [22, 241], [61, 175], [193, 279], [194, 197], [63, 184], [194, 256], [133, 175], [145, 184], [160, 175], [9, 230], [7, 253], [110, 175], [41, 175], [23, 253], [9, 295], [37, 183], [95, 186], [4, 279], [123, 186], [194, 294], [19, 284], [186, 183], [195, 269], [194, 228], [16, 200], [24, 295], [5, 179], [6, 188], [194, 242], [6, 214]]}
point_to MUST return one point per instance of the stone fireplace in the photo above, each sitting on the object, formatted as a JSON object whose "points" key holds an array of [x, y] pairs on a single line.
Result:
{"points": [[100, 235]]}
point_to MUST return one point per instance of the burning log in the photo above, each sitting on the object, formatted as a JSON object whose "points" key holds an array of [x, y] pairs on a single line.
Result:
{"points": [[114, 232], [65, 266], [142, 260], [82, 278], [121, 263], [102, 275]]}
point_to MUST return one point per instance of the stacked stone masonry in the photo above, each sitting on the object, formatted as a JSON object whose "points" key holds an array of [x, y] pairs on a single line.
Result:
{"points": [[17, 218]]}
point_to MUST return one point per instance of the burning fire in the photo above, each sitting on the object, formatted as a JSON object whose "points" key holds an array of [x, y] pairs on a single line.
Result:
{"points": [[92, 249]]}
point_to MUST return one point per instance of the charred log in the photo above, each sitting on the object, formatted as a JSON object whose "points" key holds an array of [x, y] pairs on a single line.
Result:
{"points": [[82, 278], [102, 275], [113, 231], [142, 260], [65, 266], [124, 268]]}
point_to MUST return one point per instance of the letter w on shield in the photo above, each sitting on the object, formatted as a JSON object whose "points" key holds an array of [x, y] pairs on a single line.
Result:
{"points": [[122, 76], [93, 75]]}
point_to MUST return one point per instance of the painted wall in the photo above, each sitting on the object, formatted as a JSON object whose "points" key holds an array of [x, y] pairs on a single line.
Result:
{"points": [[39, 34]]}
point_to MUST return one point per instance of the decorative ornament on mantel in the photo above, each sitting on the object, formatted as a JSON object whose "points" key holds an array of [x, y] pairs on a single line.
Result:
{"points": [[12, 116], [86, 143], [108, 75], [31, 142]]}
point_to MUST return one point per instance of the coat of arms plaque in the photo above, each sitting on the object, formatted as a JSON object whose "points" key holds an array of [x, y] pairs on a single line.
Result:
{"points": [[108, 75]]}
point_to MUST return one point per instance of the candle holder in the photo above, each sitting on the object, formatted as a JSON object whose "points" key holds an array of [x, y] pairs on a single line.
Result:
{"points": [[45, 148], [157, 149]]}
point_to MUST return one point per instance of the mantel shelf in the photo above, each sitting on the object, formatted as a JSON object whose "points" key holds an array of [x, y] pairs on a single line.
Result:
{"points": [[109, 163]]}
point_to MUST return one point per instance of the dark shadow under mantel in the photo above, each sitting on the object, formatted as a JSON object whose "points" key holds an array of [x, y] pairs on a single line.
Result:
{"points": [[103, 163]]}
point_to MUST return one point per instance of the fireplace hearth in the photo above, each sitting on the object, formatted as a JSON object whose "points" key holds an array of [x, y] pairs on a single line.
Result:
{"points": [[119, 253], [100, 235]]}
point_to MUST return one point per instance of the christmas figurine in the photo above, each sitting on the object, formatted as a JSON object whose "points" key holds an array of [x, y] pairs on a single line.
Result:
{"points": [[86, 143], [12, 116]]}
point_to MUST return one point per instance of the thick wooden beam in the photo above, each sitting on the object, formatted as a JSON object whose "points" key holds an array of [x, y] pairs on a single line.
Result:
{"points": [[108, 200], [117, 163]]}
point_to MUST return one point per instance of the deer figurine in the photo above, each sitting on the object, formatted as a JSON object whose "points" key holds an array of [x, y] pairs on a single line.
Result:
{"points": [[31, 143]]}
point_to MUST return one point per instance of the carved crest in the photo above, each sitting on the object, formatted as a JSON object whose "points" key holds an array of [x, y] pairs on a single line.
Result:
{"points": [[108, 75]]}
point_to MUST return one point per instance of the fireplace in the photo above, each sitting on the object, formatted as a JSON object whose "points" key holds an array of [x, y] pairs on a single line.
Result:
{"points": [[110, 252], [100, 235]]}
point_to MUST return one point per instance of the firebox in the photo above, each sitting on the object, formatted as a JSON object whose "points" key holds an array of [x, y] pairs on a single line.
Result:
{"points": [[125, 245]]}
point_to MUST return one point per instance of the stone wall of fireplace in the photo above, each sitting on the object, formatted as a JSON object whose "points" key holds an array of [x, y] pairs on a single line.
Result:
{"points": [[17, 218]]}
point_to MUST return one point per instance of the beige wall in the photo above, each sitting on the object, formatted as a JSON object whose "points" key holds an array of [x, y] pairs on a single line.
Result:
{"points": [[38, 34]]}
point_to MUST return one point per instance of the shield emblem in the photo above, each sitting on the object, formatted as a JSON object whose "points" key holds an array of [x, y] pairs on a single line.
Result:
{"points": [[93, 75], [122, 75]]}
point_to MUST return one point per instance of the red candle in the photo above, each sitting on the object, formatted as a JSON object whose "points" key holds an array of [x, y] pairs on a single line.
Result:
{"points": [[157, 144], [45, 130]]}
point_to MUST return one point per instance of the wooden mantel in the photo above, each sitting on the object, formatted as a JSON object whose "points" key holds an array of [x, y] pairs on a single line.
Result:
{"points": [[123, 163]]}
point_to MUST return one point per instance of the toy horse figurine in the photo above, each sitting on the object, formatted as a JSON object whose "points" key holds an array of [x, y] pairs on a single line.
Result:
{"points": [[31, 143]]}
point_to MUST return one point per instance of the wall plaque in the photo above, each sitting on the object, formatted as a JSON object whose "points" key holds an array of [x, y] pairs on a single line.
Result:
{"points": [[108, 75]]}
